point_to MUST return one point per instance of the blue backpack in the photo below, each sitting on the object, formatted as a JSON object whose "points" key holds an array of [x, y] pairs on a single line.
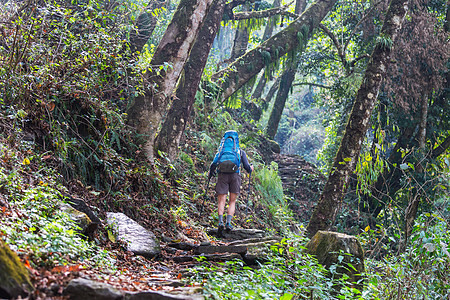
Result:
{"points": [[228, 155]]}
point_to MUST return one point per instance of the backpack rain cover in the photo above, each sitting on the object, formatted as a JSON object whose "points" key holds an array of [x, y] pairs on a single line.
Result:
{"points": [[228, 155]]}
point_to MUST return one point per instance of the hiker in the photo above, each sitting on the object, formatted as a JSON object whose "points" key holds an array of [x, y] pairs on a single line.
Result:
{"points": [[227, 161]]}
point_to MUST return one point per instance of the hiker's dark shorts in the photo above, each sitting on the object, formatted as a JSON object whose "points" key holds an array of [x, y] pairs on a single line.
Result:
{"points": [[228, 182]]}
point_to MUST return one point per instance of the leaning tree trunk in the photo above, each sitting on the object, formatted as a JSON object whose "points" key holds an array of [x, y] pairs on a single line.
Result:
{"points": [[252, 62], [287, 78], [278, 106], [268, 31], [347, 156], [147, 110], [168, 139]]}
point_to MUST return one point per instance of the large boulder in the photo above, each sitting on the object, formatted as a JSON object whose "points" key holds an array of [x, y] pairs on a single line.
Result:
{"points": [[14, 277], [139, 240], [336, 252]]}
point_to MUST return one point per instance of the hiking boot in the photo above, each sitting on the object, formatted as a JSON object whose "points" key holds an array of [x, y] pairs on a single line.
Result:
{"points": [[220, 230], [228, 227]]}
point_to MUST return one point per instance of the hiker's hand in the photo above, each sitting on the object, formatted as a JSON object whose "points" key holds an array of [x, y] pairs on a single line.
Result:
{"points": [[251, 167]]}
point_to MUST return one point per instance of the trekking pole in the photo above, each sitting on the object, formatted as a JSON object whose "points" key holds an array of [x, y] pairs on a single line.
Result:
{"points": [[248, 193], [205, 196]]}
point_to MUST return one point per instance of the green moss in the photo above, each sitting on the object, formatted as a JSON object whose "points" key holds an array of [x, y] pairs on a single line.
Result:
{"points": [[13, 274]]}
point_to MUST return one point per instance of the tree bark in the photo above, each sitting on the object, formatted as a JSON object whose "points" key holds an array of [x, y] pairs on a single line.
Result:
{"points": [[273, 89], [145, 25], [274, 120], [241, 37], [347, 156], [297, 33], [268, 31], [147, 110], [168, 139]]}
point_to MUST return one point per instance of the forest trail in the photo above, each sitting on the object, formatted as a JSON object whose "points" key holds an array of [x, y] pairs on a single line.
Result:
{"points": [[302, 181], [161, 276]]}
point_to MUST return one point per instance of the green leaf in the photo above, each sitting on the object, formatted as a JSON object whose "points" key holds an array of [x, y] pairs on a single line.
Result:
{"points": [[286, 296], [404, 166], [111, 236]]}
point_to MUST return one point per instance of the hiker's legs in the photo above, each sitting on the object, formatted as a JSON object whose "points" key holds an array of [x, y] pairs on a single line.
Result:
{"points": [[222, 199], [232, 204]]}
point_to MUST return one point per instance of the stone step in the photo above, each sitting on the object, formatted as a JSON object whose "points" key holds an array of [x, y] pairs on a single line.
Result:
{"points": [[238, 234]]}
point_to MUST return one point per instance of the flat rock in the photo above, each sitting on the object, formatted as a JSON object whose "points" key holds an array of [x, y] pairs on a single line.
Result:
{"points": [[257, 252], [221, 249], [154, 295], [183, 246], [271, 239], [139, 240], [238, 234], [207, 257], [82, 289]]}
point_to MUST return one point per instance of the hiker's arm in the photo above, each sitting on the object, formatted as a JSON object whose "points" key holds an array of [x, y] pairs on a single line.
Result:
{"points": [[245, 163], [212, 168]]}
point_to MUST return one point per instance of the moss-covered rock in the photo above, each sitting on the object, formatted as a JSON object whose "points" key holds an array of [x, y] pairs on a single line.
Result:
{"points": [[80, 218], [340, 253], [14, 277]]}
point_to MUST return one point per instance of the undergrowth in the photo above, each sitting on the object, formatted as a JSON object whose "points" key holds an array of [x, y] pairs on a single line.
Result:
{"points": [[32, 222]]}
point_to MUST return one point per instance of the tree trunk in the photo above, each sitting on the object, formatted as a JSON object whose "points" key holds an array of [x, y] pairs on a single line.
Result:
{"points": [[241, 37], [274, 120], [147, 110], [168, 139], [287, 78], [251, 63], [347, 156], [145, 25], [268, 31], [388, 182]]}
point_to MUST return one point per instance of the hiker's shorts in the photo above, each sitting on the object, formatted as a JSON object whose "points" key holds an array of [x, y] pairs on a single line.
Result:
{"points": [[228, 182]]}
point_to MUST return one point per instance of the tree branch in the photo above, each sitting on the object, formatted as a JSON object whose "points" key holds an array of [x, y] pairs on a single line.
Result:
{"points": [[353, 63], [265, 13], [312, 84], [336, 43], [441, 148]]}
